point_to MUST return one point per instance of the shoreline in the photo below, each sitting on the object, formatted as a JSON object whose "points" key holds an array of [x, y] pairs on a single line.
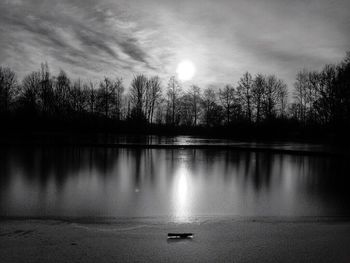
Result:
{"points": [[214, 241], [173, 220], [261, 149]]}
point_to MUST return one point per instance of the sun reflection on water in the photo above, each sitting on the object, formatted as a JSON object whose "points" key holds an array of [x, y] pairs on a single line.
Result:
{"points": [[181, 195]]}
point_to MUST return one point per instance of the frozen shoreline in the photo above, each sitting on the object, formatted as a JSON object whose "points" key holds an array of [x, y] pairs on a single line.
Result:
{"points": [[268, 239]]}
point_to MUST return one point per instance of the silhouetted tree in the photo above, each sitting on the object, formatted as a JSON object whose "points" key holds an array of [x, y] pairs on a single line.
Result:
{"points": [[154, 93], [62, 93], [227, 99], [117, 98], [321, 100], [270, 96], [29, 93], [46, 93], [79, 98], [258, 91], [244, 94], [300, 94], [212, 112], [104, 97], [8, 88], [195, 101], [173, 94], [137, 96], [91, 97], [343, 85], [186, 110], [282, 98]]}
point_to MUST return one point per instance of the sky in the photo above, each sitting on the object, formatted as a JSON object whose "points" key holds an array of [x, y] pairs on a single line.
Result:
{"points": [[223, 38]]}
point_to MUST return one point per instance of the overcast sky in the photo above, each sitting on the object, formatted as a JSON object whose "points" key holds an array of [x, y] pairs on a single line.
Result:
{"points": [[223, 38]]}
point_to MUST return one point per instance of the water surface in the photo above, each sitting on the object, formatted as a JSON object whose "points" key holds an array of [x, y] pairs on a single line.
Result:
{"points": [[174, 183]]}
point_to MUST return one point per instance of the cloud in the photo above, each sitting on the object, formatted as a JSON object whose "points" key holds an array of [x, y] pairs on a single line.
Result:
{"points": [[76, 37], [223, 38]]}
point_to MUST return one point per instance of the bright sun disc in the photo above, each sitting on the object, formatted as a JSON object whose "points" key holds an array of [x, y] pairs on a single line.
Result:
{"points": [[185, 70]]}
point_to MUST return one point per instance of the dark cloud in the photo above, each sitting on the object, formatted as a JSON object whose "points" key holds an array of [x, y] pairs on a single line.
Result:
{"points": [[95, 41], [131, 47], [78, 37]]}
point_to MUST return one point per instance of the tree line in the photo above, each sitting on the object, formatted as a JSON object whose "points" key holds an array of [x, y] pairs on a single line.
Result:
{"points": [[319, 99]]}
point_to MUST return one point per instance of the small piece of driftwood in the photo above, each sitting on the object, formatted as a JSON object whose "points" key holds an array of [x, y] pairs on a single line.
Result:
{"points": [[180, 235]]}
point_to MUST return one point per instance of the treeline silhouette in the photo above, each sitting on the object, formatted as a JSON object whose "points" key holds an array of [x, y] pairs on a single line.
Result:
{"points": [[259, 105]]}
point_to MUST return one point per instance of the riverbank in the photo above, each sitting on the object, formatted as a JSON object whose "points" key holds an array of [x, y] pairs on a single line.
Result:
{"points": [[314, 239], [178, 142]]}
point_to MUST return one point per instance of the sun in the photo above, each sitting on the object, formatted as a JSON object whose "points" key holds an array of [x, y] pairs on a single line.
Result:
{"points": [[185, 70]]}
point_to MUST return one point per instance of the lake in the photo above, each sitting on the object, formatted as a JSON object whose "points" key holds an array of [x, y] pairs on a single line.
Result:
{"points": [[176, 184]]}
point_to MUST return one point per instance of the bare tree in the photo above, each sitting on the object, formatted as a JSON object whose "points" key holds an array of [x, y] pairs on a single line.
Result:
{"points": [[62, 92], [195, 102], [301, 93], [117, 94], [173, 94], [104, 97], [282, 98], [46, 93], [154, 95], [258, 91], [227, 99], [212, 112], [270, 96], [79, 99], [91, 97], [8, 87], [186, 109], [244, 94], [328, 101], [137, 96], [29, 95], [160, 109]]}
